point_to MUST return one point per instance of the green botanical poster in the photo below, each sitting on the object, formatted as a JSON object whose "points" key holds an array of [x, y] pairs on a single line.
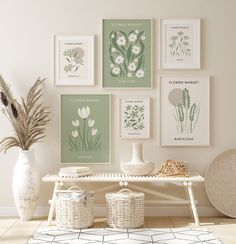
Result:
{"points": [[184, 111], [127, 53], [85, 128]]}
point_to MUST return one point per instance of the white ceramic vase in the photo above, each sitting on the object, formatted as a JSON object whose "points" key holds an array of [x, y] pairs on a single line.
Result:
{"points": [[26, 184], [137, 165], [137, 153]]}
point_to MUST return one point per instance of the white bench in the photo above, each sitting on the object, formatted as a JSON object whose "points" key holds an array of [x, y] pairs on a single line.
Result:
{"points": [[125, 180]]}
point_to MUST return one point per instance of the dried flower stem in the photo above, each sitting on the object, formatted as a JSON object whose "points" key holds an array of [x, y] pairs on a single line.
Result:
{"points": [[28, 120]]}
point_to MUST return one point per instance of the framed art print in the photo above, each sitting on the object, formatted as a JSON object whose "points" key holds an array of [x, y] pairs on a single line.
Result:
{"points": [[184, 111], [127, 53], [74, 60], [85, 128], [134, 117], [179, 44]]}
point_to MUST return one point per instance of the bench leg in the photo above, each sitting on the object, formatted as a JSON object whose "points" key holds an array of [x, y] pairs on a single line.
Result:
{"points": [[57, 186], [192, 201]]}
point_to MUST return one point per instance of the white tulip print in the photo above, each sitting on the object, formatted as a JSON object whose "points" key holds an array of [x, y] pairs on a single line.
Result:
{"points": [[84, 112], [75, 133], [91, 123], [84, 137], [94, 132], [75, 123]]}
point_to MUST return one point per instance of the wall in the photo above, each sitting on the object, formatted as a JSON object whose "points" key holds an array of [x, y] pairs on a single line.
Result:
{"points": [[26, 52]]}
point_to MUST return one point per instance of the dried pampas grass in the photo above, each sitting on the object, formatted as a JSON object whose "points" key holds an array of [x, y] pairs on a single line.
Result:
{"points": [[28, 119]]}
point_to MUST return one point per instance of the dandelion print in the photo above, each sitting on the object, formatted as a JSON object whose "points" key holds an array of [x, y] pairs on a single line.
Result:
{"points": [[74, 59]]}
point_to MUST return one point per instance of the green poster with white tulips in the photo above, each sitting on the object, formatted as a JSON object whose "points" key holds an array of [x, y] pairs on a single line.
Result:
{"points": [[127, 53], [85, 128]]}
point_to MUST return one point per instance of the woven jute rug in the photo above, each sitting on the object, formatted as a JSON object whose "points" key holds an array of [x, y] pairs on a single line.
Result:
{"points": [[125, 236]]}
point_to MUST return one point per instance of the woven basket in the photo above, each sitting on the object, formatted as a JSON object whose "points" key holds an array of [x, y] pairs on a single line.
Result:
{"points": [[125, 209], [74, 213], [173, 168]]}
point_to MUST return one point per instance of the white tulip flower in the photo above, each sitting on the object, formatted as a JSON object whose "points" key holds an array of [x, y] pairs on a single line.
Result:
{"points": [[84, 112], [75, 123], [91, 123], [94, 132], [75, 133]]}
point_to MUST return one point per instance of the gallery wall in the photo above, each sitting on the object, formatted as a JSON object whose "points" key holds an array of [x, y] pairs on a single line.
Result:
{"points": [[26, 52]]}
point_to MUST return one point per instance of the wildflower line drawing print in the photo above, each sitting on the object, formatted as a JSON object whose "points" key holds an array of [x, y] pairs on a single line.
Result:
{"points": [[185, 112], [74, 59], [84, 135], [179, 44], [134, 117], [127, 54]]}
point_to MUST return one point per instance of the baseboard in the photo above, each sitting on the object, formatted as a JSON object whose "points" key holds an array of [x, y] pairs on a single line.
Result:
{"points": [[100, 211]]}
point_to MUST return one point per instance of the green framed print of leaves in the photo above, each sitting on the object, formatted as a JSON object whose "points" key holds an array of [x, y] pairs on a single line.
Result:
{"points": [[127, 53], [85, 128], [180, 43], [134, 117], [74, 60], [184, 111]]}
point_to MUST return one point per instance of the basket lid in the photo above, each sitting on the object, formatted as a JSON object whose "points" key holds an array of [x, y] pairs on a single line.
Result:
{"points": [[125, 194]]}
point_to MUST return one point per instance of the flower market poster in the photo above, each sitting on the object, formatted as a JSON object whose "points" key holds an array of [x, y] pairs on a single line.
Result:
{"points": [[85, 129], [184, 111], [127, 53]]}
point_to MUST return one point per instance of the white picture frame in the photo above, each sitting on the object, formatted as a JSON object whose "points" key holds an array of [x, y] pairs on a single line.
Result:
{"points": [[134, 117], [74, 60], [179, 43], [184, 110]]}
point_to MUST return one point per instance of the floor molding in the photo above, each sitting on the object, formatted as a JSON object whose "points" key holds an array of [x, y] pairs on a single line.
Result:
{"points": [[100, 211]]}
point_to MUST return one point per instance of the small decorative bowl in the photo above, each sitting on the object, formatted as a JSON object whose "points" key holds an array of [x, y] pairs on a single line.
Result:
{"points": [[131, 168]]}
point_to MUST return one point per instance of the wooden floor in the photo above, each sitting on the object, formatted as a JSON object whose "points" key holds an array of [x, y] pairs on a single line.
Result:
{"points": [[14, 231]]}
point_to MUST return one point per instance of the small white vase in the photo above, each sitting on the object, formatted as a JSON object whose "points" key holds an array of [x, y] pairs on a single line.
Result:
{"points": [[137, 165], [26, 184], [137, 153]]}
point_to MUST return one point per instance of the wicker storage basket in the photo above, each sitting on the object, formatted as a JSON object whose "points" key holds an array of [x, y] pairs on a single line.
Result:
{"points": [[73, 212], [173, 168], [125, 209]]}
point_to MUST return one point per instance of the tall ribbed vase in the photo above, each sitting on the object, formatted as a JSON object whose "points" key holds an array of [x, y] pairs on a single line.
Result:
{"points": [[26, 184]]}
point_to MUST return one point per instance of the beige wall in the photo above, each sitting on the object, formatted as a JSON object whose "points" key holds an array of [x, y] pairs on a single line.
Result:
{"points": [[26, 52]]}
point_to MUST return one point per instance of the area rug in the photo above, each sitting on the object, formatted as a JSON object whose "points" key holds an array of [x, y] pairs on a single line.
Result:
{"points": [[125, 236]]}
